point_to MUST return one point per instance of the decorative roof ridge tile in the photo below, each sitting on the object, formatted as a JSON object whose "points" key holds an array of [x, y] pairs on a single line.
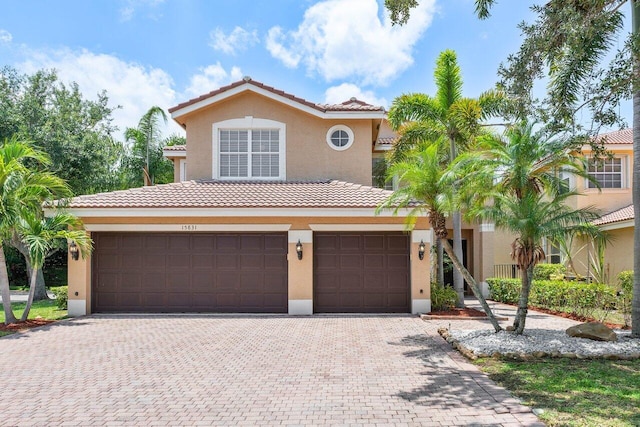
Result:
{"points": [[247, 80]]}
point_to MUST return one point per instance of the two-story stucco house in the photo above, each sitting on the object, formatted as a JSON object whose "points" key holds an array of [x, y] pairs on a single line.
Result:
{"points": [[272, 211], [613, 200]]}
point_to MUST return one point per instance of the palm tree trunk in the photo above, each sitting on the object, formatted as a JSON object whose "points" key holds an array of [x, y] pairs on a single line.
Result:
{"points": [[635, 304], [458, 282], [523, 303], [32, 288], [440, 263], [4, 289], [472, 282], [41, 287]]}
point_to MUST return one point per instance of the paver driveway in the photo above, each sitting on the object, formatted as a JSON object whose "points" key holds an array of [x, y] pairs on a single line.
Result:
{"points": [[244, 370]]}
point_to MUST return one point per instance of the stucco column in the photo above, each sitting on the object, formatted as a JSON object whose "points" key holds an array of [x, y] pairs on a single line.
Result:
{"points": [[486, 256], [79, 285], [300, 273], [420, 272]]}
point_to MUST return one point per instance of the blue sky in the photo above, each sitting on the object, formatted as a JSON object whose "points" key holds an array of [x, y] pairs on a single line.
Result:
{"points": [[163, 52]]}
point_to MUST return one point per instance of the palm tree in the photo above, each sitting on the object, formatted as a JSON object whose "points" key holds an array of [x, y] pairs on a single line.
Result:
{"points": [[42, 236], [515, 184], [145, 138], [428, 189], [21, 190], [420, 117]]}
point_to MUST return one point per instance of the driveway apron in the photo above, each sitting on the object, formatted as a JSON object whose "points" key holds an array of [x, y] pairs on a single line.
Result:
{"points": [[245, 370]]}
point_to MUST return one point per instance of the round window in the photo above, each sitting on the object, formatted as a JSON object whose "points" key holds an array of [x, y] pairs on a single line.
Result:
{"points": [[340, 137]]}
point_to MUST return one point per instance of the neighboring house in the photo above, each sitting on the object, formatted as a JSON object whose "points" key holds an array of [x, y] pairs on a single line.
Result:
{"points": [[272, 211], [613, 200]]}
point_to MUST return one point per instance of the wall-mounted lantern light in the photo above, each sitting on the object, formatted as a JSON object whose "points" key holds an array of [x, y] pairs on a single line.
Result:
{"points": [[299, 249], [74, 251], [421, 249]]}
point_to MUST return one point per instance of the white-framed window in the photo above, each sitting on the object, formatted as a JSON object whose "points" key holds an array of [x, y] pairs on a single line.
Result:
{"points": [[378, 172], [249, 148], [183, 169], [340, 137], [608, 172]]}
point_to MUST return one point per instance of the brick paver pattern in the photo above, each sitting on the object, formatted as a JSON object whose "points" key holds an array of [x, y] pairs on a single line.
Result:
{"points": [[246, 370]]}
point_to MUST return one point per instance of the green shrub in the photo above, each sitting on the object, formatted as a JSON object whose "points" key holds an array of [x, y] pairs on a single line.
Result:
{"points": [[576, 297], [504, 290], [625, 283], [545, 271], [62, 296], [442, 297]]}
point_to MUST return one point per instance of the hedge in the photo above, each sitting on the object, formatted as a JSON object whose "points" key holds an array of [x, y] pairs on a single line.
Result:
{"points": [[442, 297], [545, 271], [577, 297]]}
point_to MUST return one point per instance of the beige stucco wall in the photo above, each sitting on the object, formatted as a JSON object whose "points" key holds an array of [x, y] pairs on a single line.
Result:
{"points": [[607, 199], [79, 282], [308, 156]]}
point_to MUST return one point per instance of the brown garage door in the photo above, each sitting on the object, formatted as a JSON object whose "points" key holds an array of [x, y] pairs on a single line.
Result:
{"points": [[361, 272], [172, 272]]}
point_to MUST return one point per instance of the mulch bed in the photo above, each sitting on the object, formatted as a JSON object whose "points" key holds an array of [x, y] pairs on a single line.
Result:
{"points": [[459, 312], [21, 326]]}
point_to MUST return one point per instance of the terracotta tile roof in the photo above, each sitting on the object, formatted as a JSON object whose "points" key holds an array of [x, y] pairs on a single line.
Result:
{"points": [[346, 106], [624, 214], [624, 136], [239, 194], [174, 148], [386, 141]]}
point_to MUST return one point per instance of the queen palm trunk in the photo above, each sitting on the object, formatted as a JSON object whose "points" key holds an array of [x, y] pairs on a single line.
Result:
{"points": [[32, 288], [523, 303], [472, 282], [635, 304], [458, 282], [4, 288], [439, 263]]}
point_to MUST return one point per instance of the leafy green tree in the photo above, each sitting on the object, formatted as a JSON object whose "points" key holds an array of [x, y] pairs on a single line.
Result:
{"points": [[428, 189], [514, 183], [420, 117], [76, 133], [42, 237], [144, 163], [22, 189]]}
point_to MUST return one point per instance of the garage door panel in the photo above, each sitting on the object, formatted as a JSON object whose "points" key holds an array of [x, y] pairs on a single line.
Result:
{"points": [[227, 262], [177, 272], [350, 243], [398, 243], [364, 272], [202, 261], [179, 261], [351, 261], [111, 261]]}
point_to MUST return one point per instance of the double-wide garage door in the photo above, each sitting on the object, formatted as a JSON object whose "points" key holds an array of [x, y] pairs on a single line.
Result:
{"points": [[204, 272], [361, 272]]}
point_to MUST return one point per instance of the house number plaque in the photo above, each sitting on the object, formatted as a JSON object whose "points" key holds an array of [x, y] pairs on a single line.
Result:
{"points": [[189, 227]]}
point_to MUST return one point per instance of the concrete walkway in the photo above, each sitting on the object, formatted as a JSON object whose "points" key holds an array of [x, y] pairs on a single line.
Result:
{"points": [[246, 370]]}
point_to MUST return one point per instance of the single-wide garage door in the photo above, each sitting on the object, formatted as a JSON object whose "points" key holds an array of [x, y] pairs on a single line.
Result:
{"points": [[361, 272], [203, 272]]}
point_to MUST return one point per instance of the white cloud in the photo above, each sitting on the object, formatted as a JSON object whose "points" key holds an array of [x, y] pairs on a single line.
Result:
{"points": [[341, 39], [275, 38], [345, 91], [210, 78], [238, 40], [133, 87], [131, 6], [5, 36]]}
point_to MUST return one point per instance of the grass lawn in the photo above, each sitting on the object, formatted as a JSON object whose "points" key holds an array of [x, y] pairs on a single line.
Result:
{"points": [[600, 393], [45, 309]]}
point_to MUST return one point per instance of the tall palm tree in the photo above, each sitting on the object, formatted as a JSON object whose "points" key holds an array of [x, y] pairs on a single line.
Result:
{"points": [[515, 184], [21, 190], [428, 189], [145, 138], [420, 117], [42, 236]]}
